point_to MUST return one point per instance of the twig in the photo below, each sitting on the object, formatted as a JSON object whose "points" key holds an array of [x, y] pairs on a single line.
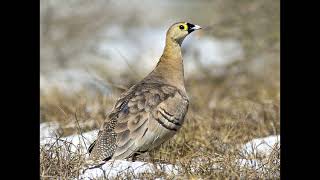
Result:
{"points": [[79, 129]]}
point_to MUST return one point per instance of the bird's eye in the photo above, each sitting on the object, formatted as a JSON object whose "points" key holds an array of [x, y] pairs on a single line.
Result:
{"points": [[181, 27]]}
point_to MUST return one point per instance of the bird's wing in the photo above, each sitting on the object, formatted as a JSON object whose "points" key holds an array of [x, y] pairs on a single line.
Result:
{"points": [[170, 113], [136, 113], [128, 120]]}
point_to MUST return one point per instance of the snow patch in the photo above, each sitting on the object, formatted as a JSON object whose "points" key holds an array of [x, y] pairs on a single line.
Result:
{"points": [[262, 145], [259, 147], [122, 167], [80, 143], [48, 130]]}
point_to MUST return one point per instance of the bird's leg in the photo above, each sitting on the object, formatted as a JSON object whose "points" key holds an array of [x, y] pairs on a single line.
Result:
{"points": [[143, 153]]}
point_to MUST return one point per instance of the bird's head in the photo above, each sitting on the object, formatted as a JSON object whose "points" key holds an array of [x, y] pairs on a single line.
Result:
{"points": [[180, 30]]}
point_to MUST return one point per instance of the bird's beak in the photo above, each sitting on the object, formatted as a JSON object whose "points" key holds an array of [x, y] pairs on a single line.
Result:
{"points": [[196, 27], [192, 27]]}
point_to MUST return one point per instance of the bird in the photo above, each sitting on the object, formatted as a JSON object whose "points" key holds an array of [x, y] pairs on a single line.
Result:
{"points": [[151, 111]]}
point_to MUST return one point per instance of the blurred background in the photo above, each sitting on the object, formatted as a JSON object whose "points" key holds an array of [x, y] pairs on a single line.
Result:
{"points": [[91, 51]]}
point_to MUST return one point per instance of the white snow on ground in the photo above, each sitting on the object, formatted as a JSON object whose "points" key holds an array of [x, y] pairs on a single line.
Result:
{"points": [[80, 142], [110, 169], [262, 145], [257, 147], [118, 167], [48, 130]]}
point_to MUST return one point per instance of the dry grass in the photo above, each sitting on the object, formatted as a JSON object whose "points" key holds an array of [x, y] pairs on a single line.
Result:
{"points": [[225, 113]]}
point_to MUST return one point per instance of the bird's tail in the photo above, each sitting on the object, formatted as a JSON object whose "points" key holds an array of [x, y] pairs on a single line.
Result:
{"points": [[104, 147]]}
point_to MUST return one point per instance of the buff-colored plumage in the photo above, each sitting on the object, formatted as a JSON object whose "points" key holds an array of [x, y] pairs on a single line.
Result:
{"points": [[151, 111]]}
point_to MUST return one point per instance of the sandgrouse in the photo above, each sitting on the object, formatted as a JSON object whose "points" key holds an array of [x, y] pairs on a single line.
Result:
{"points": [[151, 111]]}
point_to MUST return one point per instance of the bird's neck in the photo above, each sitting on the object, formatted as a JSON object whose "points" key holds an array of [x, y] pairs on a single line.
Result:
{"points": [[170, 66], [172, 50]]}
